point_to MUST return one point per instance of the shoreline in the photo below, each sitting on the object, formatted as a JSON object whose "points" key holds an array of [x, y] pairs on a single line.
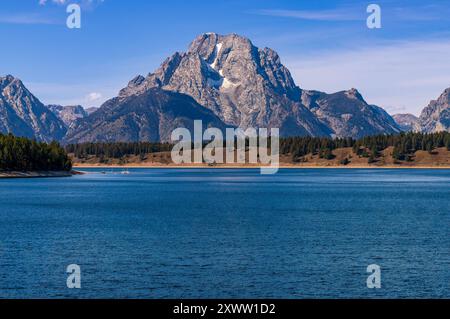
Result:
{"points": [[37, 174], [257, 167]]}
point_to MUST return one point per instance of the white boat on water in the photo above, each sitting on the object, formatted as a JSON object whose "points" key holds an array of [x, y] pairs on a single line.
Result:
{"points": [[125, 172]]}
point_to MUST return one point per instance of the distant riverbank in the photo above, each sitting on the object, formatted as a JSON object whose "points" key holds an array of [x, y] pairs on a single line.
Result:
{"points": [[341, 158], [249, 166], [40, 174]]}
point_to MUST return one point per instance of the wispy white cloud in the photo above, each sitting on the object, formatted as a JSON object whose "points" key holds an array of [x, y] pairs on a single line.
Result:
{"points": [[44, 2], [423, 13], [93, 97], [83, 3], [41, 17], [397, 76], [72, 93], [319, 15], [357, 12], [26, 18]]}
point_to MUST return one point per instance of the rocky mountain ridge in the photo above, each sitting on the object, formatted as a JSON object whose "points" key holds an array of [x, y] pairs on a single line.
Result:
{"points": [[223, 79], [436, 116], [249, 87], [243, 85], [69, 114], [150, 116], [22, 114]]}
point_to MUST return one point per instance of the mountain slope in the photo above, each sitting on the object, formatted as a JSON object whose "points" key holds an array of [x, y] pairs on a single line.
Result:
{"points": [[149, 116], [436, 116], [347, 114], [22, 114]]}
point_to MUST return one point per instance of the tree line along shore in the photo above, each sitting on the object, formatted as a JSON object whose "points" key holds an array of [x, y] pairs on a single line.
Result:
{"points": [[22, 157], [406, 149]]}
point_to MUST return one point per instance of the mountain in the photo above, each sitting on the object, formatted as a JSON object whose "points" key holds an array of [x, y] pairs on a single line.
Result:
{"points": [[243, 85], [149, 116], [436, 116], [68, 114], [22, 114], [407, 122], [227, 81], [347, 114], [249, 87]]}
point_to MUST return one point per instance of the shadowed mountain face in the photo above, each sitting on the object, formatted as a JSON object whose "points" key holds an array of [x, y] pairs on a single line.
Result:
{"points": [[407, 122], [149, 116], [22, 114], [436, 116]]}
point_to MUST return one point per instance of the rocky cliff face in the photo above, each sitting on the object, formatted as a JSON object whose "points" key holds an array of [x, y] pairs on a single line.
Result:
{"points": [[436, 116], [407, 122], [68, 114], [22, 114], [250, 87], [347, 114], [243, 85], [149, 116]]}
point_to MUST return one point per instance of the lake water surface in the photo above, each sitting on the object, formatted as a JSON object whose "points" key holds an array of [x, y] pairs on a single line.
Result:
{"points": [[227, 233]]}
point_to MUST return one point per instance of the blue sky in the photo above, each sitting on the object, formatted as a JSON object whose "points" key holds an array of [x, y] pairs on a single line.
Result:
{"points": [[326, 44]]}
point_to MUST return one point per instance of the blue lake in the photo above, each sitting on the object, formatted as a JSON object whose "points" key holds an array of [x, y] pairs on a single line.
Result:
{"points": [[224, 233]]}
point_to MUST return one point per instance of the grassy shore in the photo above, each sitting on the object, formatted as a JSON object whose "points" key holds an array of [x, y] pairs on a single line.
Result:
{"points": [[283, 166], [438, 159]]}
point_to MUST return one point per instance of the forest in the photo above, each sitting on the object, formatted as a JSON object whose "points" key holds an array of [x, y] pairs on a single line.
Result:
{"points": [[116, 150], [404, 146], [22, 154]]}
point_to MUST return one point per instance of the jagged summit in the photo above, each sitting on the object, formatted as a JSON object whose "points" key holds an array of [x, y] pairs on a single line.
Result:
{"points": [[22, 114], [354, 94], [243, 85], [6, 80], [436, 116], [13, 85]]}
